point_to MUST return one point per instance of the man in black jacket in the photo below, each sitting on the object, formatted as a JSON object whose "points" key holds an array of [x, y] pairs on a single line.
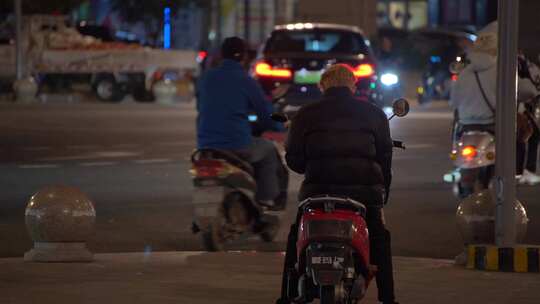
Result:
{"points": [[343, 147]]}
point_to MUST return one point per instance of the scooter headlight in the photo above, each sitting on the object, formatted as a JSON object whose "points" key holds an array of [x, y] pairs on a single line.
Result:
{"points": [[389, 79]]}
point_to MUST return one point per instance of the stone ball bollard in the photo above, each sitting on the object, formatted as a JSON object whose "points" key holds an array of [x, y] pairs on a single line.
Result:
{"points": [[476, 219], [59, 220], [25, 90], [165, 91]]}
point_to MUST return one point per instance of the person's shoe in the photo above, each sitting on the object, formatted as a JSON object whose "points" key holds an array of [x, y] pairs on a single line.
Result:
{"points": [[529, 178]]}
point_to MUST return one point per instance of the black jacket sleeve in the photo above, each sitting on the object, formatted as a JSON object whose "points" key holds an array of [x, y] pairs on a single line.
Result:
{"points": [[295, 145], [384, 145]]}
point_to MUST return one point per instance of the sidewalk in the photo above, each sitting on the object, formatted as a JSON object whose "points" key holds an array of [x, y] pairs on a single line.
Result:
{"points": [[236, 278]]}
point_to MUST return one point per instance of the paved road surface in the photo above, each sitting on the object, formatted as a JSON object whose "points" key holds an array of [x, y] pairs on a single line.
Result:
{"points": [[131, 159]]}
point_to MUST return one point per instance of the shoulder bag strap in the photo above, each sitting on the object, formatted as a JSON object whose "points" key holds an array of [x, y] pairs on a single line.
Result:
{"points": [[486, 100]]}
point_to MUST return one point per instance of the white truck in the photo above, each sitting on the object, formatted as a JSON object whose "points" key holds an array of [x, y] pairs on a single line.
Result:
{"points": [[57, 54]]}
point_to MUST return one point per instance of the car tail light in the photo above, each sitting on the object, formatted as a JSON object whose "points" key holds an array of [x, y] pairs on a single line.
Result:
{"points": [[469, 152], [266, 70], [364, 70], [205, 168], [329, 229], [454, 77], [201, 56]]}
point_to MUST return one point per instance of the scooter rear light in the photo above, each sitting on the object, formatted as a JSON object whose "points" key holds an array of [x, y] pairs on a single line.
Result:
{"points": [[206, 168], [264, 69], [340, 229], [469, 152]]}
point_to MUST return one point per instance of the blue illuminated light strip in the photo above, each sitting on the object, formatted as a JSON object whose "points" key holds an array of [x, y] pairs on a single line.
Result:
{"points": [[167, 28]]}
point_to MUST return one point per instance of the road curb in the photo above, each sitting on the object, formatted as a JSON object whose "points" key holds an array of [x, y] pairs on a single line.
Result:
{"points": [[492, 258]]}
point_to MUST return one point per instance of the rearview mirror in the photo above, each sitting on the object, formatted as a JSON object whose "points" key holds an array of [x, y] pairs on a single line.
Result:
{"points": [[279, 117], [401, 107]]}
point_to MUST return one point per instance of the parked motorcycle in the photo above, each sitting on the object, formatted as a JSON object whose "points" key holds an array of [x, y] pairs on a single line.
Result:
{"points": [[224, 202], [333, 246]]}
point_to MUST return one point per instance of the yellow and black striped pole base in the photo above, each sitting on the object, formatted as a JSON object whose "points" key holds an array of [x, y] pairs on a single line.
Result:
{"points": [[521, 258]]}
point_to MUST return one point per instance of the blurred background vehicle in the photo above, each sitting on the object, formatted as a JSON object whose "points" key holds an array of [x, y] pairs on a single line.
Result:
{"points": [[297, 54], [440, 47], [59, 56]]}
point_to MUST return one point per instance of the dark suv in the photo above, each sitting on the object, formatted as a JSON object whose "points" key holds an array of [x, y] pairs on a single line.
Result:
{"points": [[297, 54]]}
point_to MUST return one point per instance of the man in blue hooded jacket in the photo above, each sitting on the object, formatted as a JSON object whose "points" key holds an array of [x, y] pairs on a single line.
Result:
{"points": [[226, 95]]}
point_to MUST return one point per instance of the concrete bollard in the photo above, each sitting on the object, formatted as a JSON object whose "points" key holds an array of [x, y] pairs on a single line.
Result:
{"points": [[25, 90], [475, 218], [165, 91], [59, 220]]}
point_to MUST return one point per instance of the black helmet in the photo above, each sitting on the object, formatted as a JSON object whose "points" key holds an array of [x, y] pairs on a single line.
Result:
{"points": [[233, 48]]}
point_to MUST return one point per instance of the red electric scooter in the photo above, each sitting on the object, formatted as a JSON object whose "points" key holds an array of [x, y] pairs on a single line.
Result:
{"points": [[333, 245]]}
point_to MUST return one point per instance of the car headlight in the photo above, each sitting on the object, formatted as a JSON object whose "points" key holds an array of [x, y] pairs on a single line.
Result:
{"points": [[389, 79]]}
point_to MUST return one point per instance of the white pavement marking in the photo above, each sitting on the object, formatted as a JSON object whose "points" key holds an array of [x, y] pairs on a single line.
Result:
{"points": [[94, 155], [42, 166], [109, 154], [36, 148], [83, 147], [432, 115], [97, 164], [125, 146], [153, 161]]}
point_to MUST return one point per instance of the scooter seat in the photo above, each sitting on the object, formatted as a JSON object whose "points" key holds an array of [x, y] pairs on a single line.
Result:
{"points": [[340, 203], [227, 156]]}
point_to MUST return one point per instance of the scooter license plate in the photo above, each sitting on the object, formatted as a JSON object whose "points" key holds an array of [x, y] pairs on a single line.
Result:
{"points": [[327, 260]]}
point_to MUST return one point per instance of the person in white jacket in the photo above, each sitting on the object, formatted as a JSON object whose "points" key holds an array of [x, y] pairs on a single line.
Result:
{"points": [[476, 109]]}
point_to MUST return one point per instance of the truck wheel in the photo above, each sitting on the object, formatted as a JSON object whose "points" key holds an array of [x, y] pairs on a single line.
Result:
{"points": [[108, 90]]}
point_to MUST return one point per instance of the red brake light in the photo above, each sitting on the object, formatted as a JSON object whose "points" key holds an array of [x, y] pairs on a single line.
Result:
{"points": [[201, 56], [454, 77], [469, 152], [207, 168], [364, 70], [266, 70]]}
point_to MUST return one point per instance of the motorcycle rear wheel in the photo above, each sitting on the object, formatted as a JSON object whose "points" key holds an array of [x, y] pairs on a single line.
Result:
{"points": [[212, 239], [328, 295]]}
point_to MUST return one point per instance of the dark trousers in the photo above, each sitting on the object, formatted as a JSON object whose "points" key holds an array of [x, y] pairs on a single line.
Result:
{"points": [[527, 153], [381, 256]]}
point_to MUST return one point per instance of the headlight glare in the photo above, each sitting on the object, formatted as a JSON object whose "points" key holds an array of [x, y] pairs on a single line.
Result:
{"points": [[389, 79]]}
